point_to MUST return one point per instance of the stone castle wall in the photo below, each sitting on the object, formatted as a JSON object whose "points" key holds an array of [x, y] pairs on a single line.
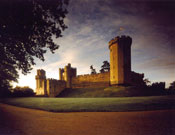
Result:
{"points": [[93, 80], [137, 79], [54, 87], [120, 72]]}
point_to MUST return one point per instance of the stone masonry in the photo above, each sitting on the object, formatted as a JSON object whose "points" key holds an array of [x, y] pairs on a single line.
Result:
{"points": [[120, 72]]}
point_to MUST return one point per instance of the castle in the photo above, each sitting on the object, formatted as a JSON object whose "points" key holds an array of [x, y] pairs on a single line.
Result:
{"points": [[120, 72]]}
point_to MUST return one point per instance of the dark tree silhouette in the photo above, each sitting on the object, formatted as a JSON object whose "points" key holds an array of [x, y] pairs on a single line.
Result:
{"points": [[27, 29], [147, 82], [158, 86], [172, 86], [22, 92], [105, 67], [93, 71]]}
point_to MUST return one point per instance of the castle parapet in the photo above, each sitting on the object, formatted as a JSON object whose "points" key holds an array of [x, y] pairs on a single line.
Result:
{"points": [[120, 40], [67, 74], [54, 87], [120, 60], [120, 72], [41, 74]]}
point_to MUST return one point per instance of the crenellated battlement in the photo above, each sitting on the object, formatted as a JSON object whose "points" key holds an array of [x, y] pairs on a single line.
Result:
{"points": [[120, 60], [91, 80], [52, 80], [87, 75], [120, 72], [54, 86], [41, 72], [120, 39]]}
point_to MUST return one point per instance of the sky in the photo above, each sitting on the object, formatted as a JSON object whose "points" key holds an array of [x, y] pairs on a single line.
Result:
{"points": [[93, 23]]}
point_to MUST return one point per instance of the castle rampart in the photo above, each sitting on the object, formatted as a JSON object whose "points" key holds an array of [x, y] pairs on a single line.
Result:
{"points": [[54, 87], [120, 72], [94, 80]]}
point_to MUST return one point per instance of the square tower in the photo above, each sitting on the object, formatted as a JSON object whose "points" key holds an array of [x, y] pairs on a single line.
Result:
{"points": [[41, 82], [120, 60], [67, 74]]}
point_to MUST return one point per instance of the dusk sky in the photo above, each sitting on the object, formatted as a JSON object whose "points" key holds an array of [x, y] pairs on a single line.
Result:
{"points": [[93, 23]]}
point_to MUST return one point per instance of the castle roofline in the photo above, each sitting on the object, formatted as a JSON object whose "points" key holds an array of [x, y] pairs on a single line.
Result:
{"points": [[119, 38]]}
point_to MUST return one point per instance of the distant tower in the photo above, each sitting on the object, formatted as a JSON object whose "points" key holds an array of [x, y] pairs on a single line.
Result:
{"points": [[120, 60], [41, 82], [61, 74], [67, 73]]}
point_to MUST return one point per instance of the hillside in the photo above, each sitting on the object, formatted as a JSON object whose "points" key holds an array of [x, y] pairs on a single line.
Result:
{"points": [[115, 91]]}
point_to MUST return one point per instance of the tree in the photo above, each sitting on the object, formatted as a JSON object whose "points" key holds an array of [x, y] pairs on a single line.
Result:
{"points": [[27, 29], [22, 91], [105, 67], [93, 71], [172, 86], [147, 82], [158, 86]]}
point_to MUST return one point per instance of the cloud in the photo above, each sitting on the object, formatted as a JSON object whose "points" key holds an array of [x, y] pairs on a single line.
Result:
{"points": [[91, 24], [157, 63]]}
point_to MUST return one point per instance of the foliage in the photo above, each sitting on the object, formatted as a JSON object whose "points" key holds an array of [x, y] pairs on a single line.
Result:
{"points": [[27, 28], [93, 71], [147, 82], [172, 86], [105, 67], [22, 92], [158, 86]]}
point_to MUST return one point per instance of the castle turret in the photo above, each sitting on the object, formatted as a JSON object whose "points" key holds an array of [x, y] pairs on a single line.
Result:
{"points": [[41, 82], [67, 73], [120, 60], [61, 72]]}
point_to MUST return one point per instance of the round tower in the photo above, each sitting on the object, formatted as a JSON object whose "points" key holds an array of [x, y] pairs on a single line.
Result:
{"points": [[120, 60]]}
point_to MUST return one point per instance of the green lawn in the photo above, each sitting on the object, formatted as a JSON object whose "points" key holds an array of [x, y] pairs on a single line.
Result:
{"points": [[95, 104]]}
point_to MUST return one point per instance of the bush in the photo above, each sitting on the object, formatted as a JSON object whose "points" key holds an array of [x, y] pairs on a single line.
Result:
{"points": [[172, 86], [22, 92], [158, 86]]}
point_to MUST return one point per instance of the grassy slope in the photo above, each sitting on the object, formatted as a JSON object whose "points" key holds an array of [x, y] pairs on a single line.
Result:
{"points": [[95, 104], [119, 91]]}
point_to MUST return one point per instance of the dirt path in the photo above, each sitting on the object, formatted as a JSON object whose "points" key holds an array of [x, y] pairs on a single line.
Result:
{"points": [[22, 121]]}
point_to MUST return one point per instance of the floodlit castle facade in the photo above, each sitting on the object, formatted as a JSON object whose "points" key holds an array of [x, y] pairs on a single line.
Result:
{"points": [[120, 72]]}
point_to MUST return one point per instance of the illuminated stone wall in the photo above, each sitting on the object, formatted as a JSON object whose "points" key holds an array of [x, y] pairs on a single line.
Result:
{"points": [[120, 72], [67, 73], [54, 87], [94, 80], [41, 82], [120, 60]]}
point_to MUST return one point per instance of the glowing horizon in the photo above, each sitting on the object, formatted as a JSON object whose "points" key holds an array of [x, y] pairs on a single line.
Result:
{"points": [[91, 27]]}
